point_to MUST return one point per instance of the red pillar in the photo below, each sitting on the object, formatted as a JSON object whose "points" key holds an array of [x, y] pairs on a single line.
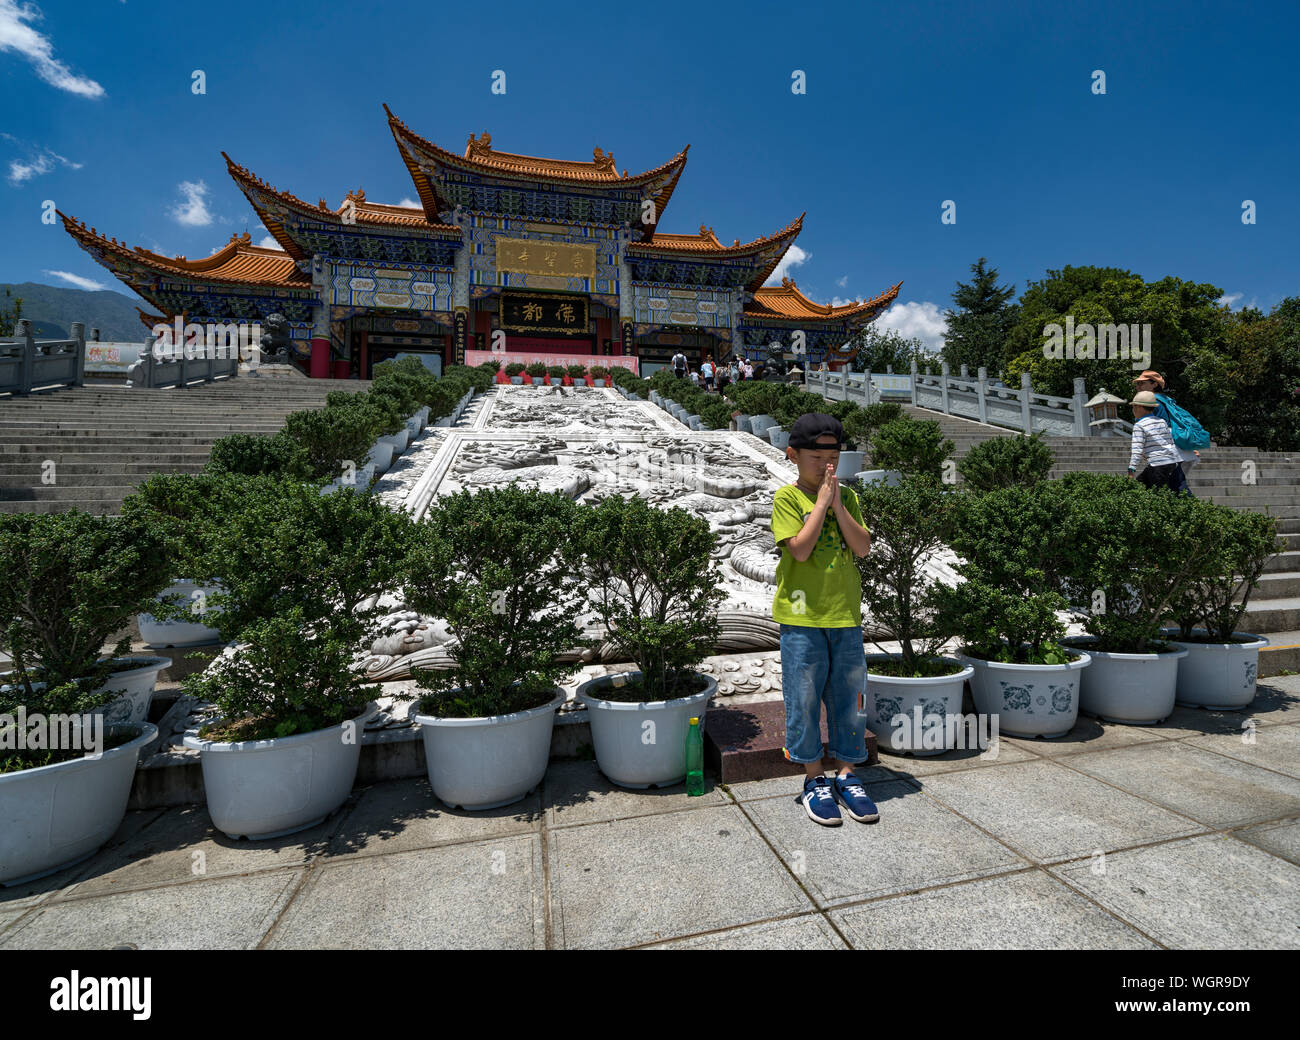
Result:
{"points": [[320, 358]]}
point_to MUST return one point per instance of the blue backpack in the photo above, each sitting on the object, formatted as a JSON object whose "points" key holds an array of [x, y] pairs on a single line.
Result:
{"points": [[1187, 432]]}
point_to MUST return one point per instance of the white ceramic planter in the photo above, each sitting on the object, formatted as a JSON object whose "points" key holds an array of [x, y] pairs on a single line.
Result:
{"points": [[267, 788], [850, 464], [58, 815], [517, 380], [1030, 700], [887, 697], [778, 437], [423, 413], [1136, 689], [887, 477], [694, 422], [445, 421], [488, 762], [159, 633], [759, 423], [641, 744], [1220, 676], [381, 456], [413, 428], [742, 424], [398, 440], [130, 691]]}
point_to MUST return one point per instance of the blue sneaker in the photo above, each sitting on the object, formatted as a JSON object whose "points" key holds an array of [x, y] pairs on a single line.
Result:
{"points": [[848, 790], [819, 802]]}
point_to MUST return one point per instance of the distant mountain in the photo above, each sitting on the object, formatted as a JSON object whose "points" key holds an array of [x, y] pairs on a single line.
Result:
{"points": [[52, 310]]}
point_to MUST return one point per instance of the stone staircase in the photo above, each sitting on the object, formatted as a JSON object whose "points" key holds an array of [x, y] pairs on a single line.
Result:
{"points": [[1274, 608], [105, 440]]}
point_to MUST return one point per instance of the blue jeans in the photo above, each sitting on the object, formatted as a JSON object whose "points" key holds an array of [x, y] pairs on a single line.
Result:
{"points": [[823, 664]]}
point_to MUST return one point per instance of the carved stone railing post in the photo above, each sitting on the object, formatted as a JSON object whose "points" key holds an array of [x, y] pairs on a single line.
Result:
{"points": [[23, 333], [1026, 391], [1080, 408], [981, 388], [914, 375], [944, 375], [79, 366]]}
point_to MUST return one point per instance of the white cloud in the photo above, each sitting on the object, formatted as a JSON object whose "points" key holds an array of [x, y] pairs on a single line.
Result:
{"points": [[269, 243], [1228, 299], [794, 256], [842, 282], [18, 36], [924, 321], [38, 162], [193, 212], [77, 280], [409, 204], [839, 301]]}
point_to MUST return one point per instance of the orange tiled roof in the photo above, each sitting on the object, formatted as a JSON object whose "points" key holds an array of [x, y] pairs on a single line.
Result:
{"points": [[706, 242], [480, 156], [238, 261], [362, 212], [787, 302]]}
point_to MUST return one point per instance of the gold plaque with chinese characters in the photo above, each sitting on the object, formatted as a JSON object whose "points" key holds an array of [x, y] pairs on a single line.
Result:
{"points": [[537, 257]]}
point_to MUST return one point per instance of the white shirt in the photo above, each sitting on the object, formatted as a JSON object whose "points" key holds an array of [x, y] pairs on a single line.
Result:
{"points": [[706, 369], [1151, 437], [675, 364], [695, 378]]}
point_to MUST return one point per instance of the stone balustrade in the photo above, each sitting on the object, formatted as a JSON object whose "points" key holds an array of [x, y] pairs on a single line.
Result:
{"points": [[30, 365], [169, 366]]}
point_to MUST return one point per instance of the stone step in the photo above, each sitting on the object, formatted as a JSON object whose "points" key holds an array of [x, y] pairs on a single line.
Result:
{"points": [[96, 507], [1278, 584], [745, 741], [1272, 615], [91, 478], [1282, 562], [59, 493], [105, 458], [1281, 655]]}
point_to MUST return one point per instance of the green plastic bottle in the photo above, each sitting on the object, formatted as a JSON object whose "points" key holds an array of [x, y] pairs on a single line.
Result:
{"points": [[694, 758]]}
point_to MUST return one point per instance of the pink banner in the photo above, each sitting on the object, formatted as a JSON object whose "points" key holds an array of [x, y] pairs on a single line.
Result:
{"points": [[478, 357]]}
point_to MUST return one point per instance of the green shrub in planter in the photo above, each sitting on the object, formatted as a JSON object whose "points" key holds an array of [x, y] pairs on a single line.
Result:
{"points": [[908, 523], [536, 369], [914, 447], [1216, 594], [329, 438], [68, 581], [842, 410], [1133, 550], [478, 565], [599, 372], [794, 404], [515, 368], [1014, 557], [716, 414], [478, 377], [555, 371], [297, 567], [576, 372], [382, 410], [252, 454], [862, 423], [1007, 462], [657, 591]]}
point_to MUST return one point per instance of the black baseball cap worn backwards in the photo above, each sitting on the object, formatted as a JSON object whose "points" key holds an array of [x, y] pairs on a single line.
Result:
{"points": [[807, 428]]}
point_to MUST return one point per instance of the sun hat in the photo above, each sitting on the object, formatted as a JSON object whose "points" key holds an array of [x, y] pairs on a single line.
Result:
{"points": [[1145, 399], [1153, 375]]}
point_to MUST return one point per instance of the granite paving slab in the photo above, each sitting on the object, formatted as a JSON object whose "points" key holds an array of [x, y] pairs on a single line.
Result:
{"points": [[1088, 734], [1200, 722], [185, 847], [998, 752], [810, 932], [1049, 812], [1274, 747], [484, 895], [1025, 911], [400, 815], [578, 792], [914, 844], [654, 878], [1214, 789], [220, 914], [32, 892], [789, 786], [1207, 893], [1280, 838]]}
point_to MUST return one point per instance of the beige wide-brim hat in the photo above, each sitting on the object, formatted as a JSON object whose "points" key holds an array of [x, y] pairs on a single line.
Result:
{"points": [[1146, 399]]}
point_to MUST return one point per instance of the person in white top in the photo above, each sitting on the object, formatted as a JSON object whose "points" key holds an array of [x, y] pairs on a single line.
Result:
{"points": [[695, 378], [679, 365], [1155, 382], [706, 371], [1152, 439]]}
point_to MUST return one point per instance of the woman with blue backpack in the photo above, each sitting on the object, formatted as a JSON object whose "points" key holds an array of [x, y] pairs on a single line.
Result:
{"points": [[1188, 434]]}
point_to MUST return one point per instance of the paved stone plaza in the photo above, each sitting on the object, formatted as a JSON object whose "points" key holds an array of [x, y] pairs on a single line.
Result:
{"points": [[1179, 836]]}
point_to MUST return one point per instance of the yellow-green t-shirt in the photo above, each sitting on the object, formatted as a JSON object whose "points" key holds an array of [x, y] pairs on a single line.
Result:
{"points": [[823, 591]]}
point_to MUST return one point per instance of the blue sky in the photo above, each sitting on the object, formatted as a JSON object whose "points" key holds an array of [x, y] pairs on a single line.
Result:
{"points": [[906, 106]]}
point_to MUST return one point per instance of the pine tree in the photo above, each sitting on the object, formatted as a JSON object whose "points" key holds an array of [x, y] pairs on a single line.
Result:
{"points": [[9, 317], [979, 326]]}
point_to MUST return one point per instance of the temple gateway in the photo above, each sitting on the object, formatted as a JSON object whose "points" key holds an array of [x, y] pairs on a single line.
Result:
{"points": [[505, 253]]}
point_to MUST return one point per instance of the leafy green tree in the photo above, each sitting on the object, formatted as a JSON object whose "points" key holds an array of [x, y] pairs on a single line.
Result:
{"points": [[984, 316], [10, 313], [878, 349]]}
